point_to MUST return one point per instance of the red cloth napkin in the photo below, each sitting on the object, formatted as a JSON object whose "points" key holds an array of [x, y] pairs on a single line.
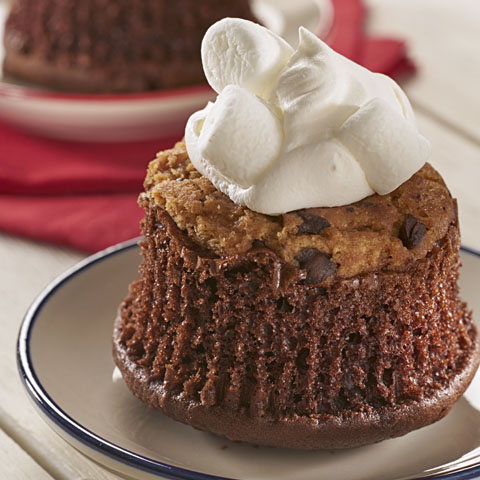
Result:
{"points": [[85, 195], [82, 195]]}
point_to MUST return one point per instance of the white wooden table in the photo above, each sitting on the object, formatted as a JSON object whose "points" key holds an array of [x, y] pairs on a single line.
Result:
{"points": [[444, 39]]}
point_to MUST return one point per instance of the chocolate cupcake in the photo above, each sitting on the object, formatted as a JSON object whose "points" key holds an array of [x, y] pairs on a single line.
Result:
{"points": [[321, 328], [305, 294], [105, 46]]}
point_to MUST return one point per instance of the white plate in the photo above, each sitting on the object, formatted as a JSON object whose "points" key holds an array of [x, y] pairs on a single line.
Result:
{"points": [[126, 117], [65, 361]]}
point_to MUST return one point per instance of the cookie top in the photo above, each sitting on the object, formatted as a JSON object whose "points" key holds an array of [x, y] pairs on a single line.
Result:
{"points": [[380, 232]]}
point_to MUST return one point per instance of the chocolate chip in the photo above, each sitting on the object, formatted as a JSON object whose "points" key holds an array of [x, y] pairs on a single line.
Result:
{"points": [[317, 264], [412, 231], [350, 209], [312, 224], [258, 244]]}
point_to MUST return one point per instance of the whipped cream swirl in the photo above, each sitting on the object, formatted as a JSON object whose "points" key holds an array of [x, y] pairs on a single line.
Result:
{"points": [[300, 128]]}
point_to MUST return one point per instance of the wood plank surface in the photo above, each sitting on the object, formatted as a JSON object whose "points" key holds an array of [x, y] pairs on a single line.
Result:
{"points": [[16, 463], [443, 37]]}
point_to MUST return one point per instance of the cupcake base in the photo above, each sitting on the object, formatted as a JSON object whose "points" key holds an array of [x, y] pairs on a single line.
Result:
{"points": [[346, 430], [244, 347]]}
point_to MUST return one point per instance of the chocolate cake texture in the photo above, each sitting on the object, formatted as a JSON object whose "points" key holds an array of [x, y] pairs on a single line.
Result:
{"points": [[320, 328], [106, 46]]}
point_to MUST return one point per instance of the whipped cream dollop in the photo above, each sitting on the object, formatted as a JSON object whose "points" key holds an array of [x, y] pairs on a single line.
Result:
{"points": [[300, 128]]}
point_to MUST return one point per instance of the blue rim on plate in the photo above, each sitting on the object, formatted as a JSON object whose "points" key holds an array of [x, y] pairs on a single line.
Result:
{"points": [[86, 437]]}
